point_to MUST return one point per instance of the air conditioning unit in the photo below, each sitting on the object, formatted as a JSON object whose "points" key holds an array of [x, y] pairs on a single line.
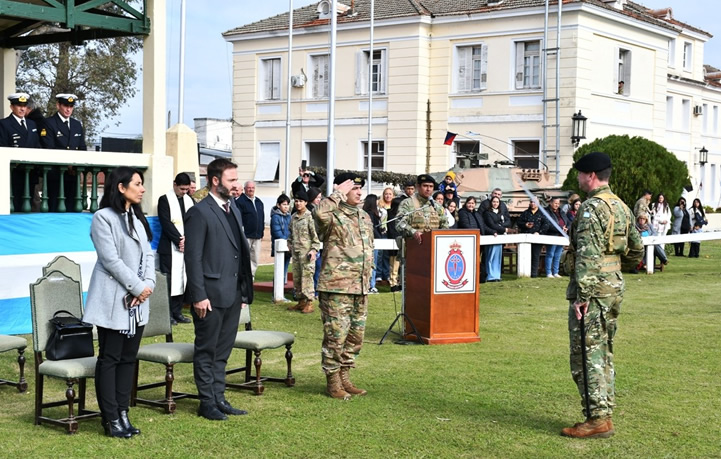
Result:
{"points": [[697, 110], [298, 81]]}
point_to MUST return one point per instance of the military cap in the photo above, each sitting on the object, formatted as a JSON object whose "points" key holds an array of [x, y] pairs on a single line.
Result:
{"points": [[67, 99], [313, 193], [425, 178], [593, 162], [19, 98], [357, 179], [301, 195]]}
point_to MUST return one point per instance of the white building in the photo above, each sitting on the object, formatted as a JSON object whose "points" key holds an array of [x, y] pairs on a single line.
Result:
{"points": [[480, 66]]}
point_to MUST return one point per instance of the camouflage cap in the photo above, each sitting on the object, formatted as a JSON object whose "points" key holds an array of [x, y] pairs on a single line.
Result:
{"points": [[593, 162], [357, 179]]}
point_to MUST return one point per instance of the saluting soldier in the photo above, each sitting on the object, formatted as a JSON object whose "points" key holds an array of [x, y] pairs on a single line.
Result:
{"points": [[346, 265], [603, 237]]}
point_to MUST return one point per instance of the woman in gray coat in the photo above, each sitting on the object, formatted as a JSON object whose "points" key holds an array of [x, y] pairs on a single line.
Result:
{"points": [[122, 281]]}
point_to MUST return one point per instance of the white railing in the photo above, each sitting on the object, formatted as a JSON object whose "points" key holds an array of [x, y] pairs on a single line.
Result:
{"points": [[523, 241]]}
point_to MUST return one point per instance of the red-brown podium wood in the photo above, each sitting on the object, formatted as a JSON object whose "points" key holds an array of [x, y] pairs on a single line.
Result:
{"points": [[439, 318]]}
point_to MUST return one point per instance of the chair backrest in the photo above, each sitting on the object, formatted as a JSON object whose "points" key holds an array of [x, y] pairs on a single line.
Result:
{"points": [[66, 266], [159, 320], [51, 293]]}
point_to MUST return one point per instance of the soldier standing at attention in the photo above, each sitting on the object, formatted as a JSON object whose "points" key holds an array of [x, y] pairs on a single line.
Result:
{"points": [[602, 236], [344, 282], [304, 246], [420, 212]]}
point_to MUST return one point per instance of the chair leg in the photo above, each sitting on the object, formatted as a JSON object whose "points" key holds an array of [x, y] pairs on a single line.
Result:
{"points": [[22, 383], [169, 378], [39, 384], [72, 424], [258, 388], [134, 389], [82, 386], [289, 379]]}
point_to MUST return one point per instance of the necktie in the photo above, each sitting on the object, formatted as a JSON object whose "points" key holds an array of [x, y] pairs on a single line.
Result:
{"points": [[22, 123], [67, 125], [226, 208]]}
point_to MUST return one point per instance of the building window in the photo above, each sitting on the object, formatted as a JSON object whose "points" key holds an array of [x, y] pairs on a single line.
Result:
{"points": [[319, 85], [528, 64], [268, 167], [669, 112], [672, 52], [715, 120], [378, 72], [378, 155], [687, 56], [526, 154], [270, 77], [622, 74], [685, 114], [705, 116], [317, 154], [471, 68], [468, 154]]}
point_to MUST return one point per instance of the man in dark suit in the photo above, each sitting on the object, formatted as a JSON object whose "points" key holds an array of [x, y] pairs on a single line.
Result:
{"points": [[220, 284], [253, 214], [62, 132], [19, 132], [171, 213]]}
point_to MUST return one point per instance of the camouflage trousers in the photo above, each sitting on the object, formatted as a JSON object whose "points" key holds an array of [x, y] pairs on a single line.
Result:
{"points": [[344, 324], [600, 325], [303, 272]]}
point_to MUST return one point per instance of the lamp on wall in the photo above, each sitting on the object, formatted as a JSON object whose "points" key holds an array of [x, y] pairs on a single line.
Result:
{"points": [[578, 128], [703, 156]]}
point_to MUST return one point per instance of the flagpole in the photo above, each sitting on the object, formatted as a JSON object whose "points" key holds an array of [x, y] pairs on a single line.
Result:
{"points": [[181, 65], [370, 99], [331, 99], [286, 173]]}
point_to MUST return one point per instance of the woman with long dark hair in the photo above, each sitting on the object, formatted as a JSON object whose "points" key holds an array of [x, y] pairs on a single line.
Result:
{"points": [[495, 224], [660, 215], [469, 218], [370, 205], [681, 224], [117, 302]]}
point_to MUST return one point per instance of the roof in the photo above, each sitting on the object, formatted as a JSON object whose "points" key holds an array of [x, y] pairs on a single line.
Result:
{"points": [[307, 17]]}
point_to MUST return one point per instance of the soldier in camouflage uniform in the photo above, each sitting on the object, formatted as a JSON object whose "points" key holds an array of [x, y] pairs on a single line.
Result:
{"points": [[304, 246], [603, 239], [420, 212], [344, 282]]}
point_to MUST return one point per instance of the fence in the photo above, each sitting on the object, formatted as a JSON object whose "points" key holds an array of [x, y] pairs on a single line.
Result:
{"points": [[523, 243]]}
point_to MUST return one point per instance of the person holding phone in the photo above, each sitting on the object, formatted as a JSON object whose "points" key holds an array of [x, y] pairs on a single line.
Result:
{"points": [[306, 179], [117, 302]]}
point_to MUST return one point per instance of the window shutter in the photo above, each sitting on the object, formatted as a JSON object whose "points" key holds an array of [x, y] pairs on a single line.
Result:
{"points": [[382, 77], [266, 79], [275, 78], [616, 62], [627, 74], [316, 76], [520, 51], [361, 68], [484, 66], [326, 83], [465, 69]]}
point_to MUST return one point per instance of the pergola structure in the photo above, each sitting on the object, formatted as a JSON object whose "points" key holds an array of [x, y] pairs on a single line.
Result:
{"points": [[32, 22]]}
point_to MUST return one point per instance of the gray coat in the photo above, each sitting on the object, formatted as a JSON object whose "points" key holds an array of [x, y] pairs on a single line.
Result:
{"points": [[116, 271]]}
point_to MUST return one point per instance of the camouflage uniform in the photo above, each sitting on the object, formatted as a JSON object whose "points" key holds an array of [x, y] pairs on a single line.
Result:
{"points": [[344, 280], [429, 218], [303, 239], [595, 265], [641, 207]]}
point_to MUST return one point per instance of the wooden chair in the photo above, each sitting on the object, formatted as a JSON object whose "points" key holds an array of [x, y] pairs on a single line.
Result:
{"points": [[9, 343], [53, 292], [166, 353], [254, 342]]}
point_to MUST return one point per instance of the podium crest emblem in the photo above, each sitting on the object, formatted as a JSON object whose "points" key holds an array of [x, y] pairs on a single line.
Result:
{"points": [[455, 268]]}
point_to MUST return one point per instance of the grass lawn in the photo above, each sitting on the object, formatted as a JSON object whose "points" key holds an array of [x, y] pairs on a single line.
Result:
{"points": [[507, 396]]}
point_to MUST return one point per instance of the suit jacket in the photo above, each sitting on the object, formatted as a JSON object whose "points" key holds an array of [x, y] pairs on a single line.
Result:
{"points": [[253, 216], [212, 256], [116, 272], [170, 233], [12, 134], [55, 134]]}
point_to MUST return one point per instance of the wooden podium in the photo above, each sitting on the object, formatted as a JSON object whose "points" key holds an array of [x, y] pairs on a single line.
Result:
{"points": [[441, 288]]}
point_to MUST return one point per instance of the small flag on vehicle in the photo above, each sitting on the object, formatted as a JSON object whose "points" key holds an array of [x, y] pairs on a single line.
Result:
{"points": [[449, 138]]}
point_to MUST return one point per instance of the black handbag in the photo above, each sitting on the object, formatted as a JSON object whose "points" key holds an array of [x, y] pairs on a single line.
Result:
{"points": [[71, 338]]}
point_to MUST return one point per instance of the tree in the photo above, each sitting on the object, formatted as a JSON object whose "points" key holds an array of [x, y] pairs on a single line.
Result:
{"points": [[100, 72], [638, 164]]}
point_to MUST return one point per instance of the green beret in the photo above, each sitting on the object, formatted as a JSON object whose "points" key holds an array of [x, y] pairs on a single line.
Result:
{"points": [[593, 162]]}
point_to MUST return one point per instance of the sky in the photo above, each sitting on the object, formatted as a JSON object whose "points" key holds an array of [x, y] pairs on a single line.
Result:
{"points": [[208, 60]]}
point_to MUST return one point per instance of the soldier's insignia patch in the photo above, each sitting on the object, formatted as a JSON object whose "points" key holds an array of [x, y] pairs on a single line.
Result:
{"points": [[586, 215], [455, 268]]}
